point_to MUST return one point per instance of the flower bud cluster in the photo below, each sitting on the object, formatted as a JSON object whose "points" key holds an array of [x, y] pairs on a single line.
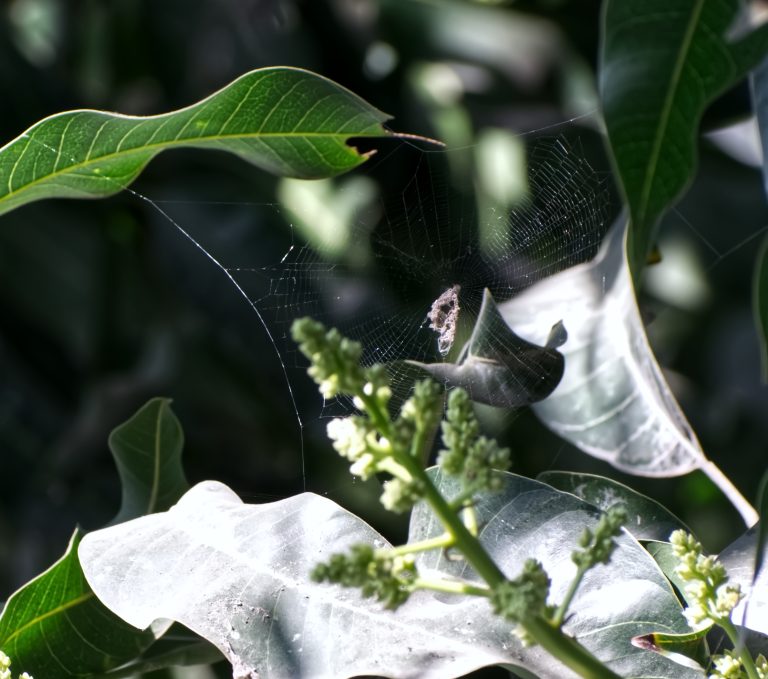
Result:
{"points": [[598, 544], [728, 666], [372, 442], [389, 578], [473, 458], [335, 359], [710, 599], [5, 668], [524, 597], [421, 413]]}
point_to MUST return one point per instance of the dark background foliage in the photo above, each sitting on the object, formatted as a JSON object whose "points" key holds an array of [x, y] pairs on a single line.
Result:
{"points": [[105, 304]]}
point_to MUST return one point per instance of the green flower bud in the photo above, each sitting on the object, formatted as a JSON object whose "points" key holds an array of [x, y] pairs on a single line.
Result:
{"points": [[378, 574], [525, 596], [599, 543]]}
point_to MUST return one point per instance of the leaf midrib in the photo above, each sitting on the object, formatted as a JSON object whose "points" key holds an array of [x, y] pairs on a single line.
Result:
{"points": [[54, 611], [665, 114], [153, 149]]}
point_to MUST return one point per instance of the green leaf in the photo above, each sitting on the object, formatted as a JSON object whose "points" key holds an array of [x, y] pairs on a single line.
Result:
{"points": [[147, 451], [690, 650], [284, 120], [54, 626], [664, 555], [646, 518], [496, 366], [760, 279], [760, 303], [239, 575], [661, 64], [178, 647], [762, 526], [45, 622]]}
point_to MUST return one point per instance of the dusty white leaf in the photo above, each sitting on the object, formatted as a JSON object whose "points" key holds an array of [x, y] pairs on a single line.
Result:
{"points": [[239, 576], [613, 401]]}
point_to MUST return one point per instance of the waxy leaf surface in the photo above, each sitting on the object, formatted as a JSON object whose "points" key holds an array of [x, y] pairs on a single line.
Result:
{"points": [[239, 575], [613, 401], [497, 367]]}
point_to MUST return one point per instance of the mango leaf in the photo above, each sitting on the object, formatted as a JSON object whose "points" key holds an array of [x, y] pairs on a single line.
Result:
{"points": [[690, 650], [661, 64], [147, 451], [759, 81], [664, 555], [54, 626], [496, 366], [238, 575], [760, 303], [646, 518], [284, 120], [173, 649], [613, 401], [761, 528]]}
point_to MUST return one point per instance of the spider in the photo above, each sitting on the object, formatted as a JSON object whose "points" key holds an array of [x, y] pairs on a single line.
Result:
{"points": [[443, 317]]}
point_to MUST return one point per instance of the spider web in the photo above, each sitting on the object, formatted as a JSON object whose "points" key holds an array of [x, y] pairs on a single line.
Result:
{"points": [[419, 239], [428, 239]]}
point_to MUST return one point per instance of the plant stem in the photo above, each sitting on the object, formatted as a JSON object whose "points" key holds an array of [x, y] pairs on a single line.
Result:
{"points": [[739, 647], [564, 648], [567, 650], [440, 542], [552, 639], [742, 505], [562, 609], [451, 587]]}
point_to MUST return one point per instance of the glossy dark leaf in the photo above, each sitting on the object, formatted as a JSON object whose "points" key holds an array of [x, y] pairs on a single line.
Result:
{"points": [[661, 64], [147, 451], [284, 120], [54, 626]]}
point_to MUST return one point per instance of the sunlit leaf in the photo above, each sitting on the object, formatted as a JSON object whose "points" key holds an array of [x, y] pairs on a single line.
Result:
{"points": [[238, 575], [285, 120], [646, 518], [613, 401], [689, 650], [55, 627], [662, 62], [739, 559], [664, 555]]}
